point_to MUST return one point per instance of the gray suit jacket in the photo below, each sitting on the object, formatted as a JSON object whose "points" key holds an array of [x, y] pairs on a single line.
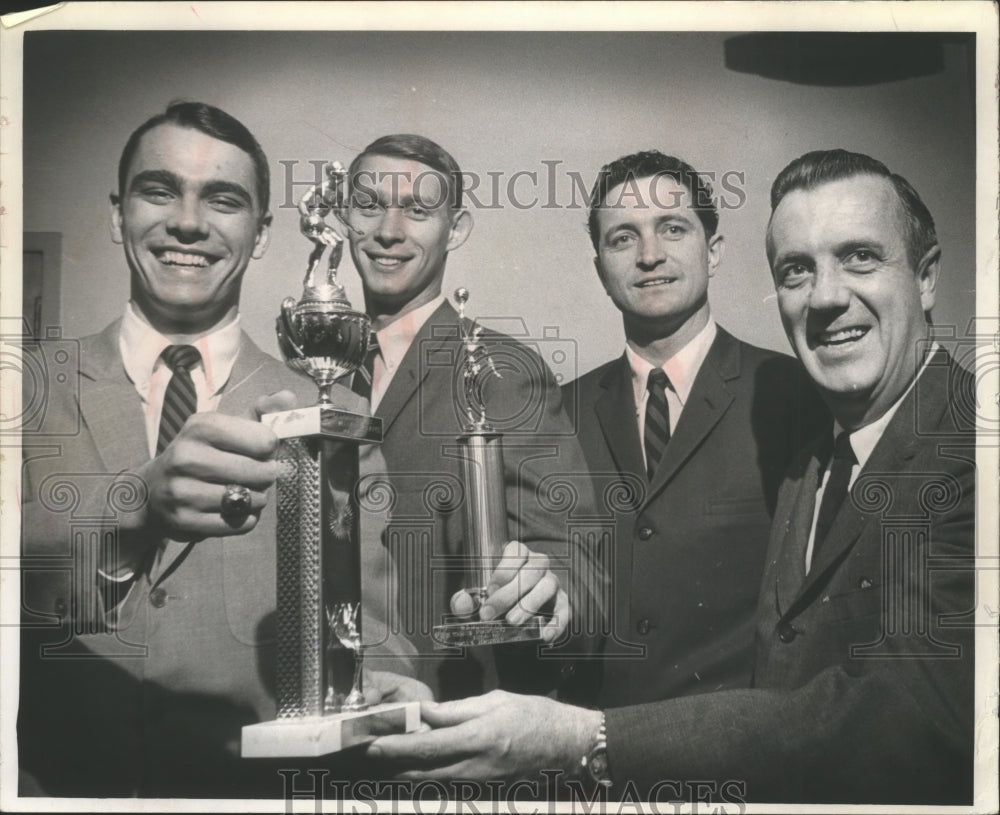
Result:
{"points": [[864, 673], [191, 656]]}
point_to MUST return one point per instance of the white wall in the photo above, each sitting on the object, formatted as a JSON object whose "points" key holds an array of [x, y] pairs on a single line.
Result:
{"points": [[499, 102]]}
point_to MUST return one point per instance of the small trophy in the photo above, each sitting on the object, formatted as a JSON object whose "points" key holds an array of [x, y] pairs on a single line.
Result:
{"points": [[481, 456], [321, 705]]}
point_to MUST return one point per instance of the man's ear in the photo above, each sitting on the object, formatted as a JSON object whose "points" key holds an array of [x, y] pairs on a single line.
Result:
{"points": [[263, 239], [928, 271], [116, 218], [461, 228], [716, 249]]}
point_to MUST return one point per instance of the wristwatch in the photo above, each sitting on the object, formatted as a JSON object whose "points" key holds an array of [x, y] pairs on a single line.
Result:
{"points": [[595, 762]]}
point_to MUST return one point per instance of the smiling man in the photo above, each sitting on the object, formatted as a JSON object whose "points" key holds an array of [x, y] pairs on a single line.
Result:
{"points": [[406, 217], [705, 423], [163, 622], [864, 670]]}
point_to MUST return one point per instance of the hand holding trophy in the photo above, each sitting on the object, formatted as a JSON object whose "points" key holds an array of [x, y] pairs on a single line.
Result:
{"points": [[320, 699]]}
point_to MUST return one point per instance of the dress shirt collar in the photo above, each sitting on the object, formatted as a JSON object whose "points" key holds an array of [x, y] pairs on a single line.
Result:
{"points": [[395, 339], [682, 368], [864, 439], [141, 346]]}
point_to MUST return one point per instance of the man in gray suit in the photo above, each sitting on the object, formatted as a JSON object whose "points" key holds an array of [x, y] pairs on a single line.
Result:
{"points": [[148, 520], [864, 672]]}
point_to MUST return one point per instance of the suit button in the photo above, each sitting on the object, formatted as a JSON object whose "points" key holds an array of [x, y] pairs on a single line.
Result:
{"points": [[644, 626], [785, 631], [567, 671], [865, 583], [158, 598], [645, 533]]}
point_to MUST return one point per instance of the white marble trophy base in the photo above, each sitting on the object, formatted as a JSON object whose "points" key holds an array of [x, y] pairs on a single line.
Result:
{"points": [[321, 735]]}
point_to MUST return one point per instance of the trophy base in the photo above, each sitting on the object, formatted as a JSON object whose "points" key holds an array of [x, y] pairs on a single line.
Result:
{"points": [[487, 632], [321, 735], [326, 421]]}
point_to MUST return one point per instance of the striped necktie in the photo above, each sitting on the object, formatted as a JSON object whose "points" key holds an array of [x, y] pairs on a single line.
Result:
{"points": [[180, 399], [361, 383], [657, 427]]}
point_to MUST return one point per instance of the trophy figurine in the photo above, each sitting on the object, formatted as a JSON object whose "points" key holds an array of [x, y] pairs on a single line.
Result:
{"points": [[320, 655], [481, 456]]}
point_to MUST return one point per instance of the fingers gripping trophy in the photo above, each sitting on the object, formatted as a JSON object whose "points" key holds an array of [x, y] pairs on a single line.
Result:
{"points": [[321, 703]]}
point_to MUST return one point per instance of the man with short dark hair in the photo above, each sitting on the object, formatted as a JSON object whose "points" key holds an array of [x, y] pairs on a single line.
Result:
{"points": [[165, 647], [864, 670], [406, 217], [701, 424]]}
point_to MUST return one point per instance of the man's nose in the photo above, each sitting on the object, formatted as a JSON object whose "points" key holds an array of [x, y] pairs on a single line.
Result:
{"points": [[651, 252], [829, 289], [390, 227], [187, 220]]}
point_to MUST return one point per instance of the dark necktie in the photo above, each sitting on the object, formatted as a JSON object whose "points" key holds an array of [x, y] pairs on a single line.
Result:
{"points": [[836, 488], [180, 399], [657, 428], [361, 383]]}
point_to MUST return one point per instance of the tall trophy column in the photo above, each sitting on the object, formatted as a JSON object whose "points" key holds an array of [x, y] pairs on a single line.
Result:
{"points": [[480, 451], [320, 655]]}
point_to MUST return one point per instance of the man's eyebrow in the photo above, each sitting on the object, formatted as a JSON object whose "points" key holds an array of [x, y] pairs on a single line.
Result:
{"points": [[846, 247], [156, 176], [793, 257], [627, 226], [675, 216], [174, 181], [231, 187]]}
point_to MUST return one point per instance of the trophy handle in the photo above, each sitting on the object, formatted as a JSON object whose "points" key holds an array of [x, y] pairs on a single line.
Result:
{"points": [[285, 331]]}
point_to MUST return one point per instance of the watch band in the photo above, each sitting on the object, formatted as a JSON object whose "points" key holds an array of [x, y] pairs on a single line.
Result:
{"points": [[595, 762]]}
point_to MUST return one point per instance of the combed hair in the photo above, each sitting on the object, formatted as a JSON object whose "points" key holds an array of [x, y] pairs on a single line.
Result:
{"points": [[647, 164], [212, 122], [823, 166], [421, 149]]}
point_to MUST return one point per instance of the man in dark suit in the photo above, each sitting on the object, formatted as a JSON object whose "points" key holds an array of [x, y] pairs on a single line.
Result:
{"points": [[705, 449], [149, 597], [406, 216], [863, 685]]}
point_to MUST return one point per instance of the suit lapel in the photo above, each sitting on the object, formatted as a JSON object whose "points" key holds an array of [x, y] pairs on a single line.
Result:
{"points": [[615, 409], [708, 401], [793, 521], [441, 327], [109, 406], [897, 446], [249, 360]]}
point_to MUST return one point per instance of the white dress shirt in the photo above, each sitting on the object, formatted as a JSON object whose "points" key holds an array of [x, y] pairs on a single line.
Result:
{"points": [[863, 441], [141, 346], [681, 369], [393, 342]]}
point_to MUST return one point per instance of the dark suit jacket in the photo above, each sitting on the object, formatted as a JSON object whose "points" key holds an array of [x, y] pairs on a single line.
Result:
{"points": [[154, 704], [864, 678], [689, 550], [422, 419]]}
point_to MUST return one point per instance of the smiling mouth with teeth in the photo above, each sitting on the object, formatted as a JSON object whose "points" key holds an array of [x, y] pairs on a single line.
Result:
{"points": [[387, 262], [656, 281], [172, 258], [841, 337]]}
